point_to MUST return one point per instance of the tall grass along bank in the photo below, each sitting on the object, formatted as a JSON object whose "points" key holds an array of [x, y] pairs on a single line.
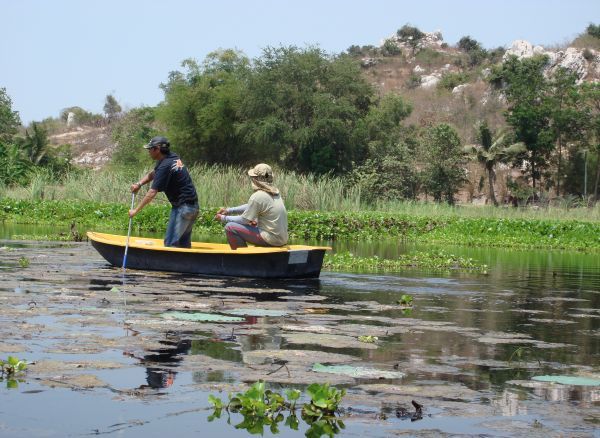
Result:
{"points": [[219, 186], [454, 230]]}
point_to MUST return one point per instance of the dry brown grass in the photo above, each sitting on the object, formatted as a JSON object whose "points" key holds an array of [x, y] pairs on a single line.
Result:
{"points": [[585, 41]]}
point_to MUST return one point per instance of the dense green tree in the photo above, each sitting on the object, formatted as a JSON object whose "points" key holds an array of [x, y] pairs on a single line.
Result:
{"points": [[590, 93], [9, 119], [468, 44], [26, 155], [410, 35], [129, 133], [381, 129], [389, 172], [111, 107], [408, 32], [529, 112], [201, 109], [566, 114], [14, 166], [302, 106], [82, 117], [593, 30], [444, 169], [493, 148], [390, 48], [36, 150], [475, 52]]}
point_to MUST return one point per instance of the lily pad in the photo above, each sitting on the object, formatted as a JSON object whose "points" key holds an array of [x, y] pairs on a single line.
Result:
{"points": [[359, 372], [326, 340], [201, 317], [568, 380], [257, 312]]}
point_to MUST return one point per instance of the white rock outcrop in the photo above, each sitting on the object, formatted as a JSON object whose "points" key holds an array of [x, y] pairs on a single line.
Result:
{"points": [[571, 59], [368, 62], [432, 40], [430, 81], [459, 89], [71, 119], [520, 49]]}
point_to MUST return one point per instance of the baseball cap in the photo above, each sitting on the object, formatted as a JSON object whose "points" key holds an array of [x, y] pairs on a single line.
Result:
{"points": [[157, 141]]}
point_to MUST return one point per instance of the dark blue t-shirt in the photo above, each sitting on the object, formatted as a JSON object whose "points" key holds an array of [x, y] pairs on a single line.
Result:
{"points": [[173, 178]]}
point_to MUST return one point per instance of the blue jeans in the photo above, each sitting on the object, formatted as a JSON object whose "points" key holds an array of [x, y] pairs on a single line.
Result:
{"points": [[181, 222]]}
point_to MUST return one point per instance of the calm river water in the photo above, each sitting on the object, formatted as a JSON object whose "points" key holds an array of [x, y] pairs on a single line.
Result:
{"points": [[110, 353]]}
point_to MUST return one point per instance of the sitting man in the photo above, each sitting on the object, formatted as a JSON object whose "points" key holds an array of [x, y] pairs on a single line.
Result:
{"points": [[263, 220]]}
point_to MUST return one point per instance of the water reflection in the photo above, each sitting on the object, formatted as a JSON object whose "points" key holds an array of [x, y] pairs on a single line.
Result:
{"points": [[586, 395], [509, 404], [158, 376], [468, 336]]}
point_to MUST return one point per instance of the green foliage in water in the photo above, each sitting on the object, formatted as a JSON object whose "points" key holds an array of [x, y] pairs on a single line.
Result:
{"points": [[453, 230], [405, 300], [262, 407], [24, 262], [44, 237], [12, 366], [324, 400], [439, 260], [10, 370]]}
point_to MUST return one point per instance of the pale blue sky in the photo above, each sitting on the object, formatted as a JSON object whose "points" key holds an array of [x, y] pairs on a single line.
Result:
{"points": [[61, 53]]}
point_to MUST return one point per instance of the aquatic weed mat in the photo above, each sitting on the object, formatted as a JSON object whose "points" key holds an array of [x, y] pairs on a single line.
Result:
{"points": [[97, 338]]}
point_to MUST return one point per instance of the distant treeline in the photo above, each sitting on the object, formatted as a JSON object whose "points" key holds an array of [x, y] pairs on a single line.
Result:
{"points": [[313, 113]]}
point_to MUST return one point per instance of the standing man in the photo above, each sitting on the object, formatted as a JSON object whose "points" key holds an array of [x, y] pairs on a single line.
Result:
{"points": [[172, 177]]}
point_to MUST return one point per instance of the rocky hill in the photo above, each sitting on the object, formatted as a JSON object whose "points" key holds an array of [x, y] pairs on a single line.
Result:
{"points": [[91, 146], [442, 85], [441, 81]]}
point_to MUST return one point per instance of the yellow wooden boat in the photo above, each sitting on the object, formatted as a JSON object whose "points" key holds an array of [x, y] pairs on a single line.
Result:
{"points": [[290, 261]]}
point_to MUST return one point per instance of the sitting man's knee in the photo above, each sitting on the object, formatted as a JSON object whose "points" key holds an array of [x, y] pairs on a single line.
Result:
{"points": [[230, 226]]}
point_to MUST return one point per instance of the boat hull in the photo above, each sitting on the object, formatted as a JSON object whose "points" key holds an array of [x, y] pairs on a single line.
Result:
{"points": [[305, 262]]}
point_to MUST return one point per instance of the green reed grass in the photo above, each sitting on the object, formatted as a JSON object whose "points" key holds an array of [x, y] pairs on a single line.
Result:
{"points": [[228, 186]]}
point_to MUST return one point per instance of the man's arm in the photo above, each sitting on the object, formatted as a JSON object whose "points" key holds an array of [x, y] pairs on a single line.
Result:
{"points": [[135, 187], [239, 219], [236, 210], [147, 200]]}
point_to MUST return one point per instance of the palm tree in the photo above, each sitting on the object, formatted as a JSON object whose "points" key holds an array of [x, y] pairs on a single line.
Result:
{"points": [[491, 150], [35, 144]]}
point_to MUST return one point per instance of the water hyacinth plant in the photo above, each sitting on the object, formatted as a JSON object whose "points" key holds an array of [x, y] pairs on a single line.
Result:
{"points": [[328, 224], [436, 260], [262, 407], [11, 369], [24, 262]]}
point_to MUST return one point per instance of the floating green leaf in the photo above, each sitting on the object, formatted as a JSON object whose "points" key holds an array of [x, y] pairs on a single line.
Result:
{"points": [[568, 380], [359, 372], [368, 339]]}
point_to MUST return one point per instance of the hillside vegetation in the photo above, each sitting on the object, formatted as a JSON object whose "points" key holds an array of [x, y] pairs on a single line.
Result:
{"points": [[413, 119]]}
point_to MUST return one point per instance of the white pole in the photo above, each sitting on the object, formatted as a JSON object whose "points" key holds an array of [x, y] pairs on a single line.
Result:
{"points": [[585, 173], [128, 232]]}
